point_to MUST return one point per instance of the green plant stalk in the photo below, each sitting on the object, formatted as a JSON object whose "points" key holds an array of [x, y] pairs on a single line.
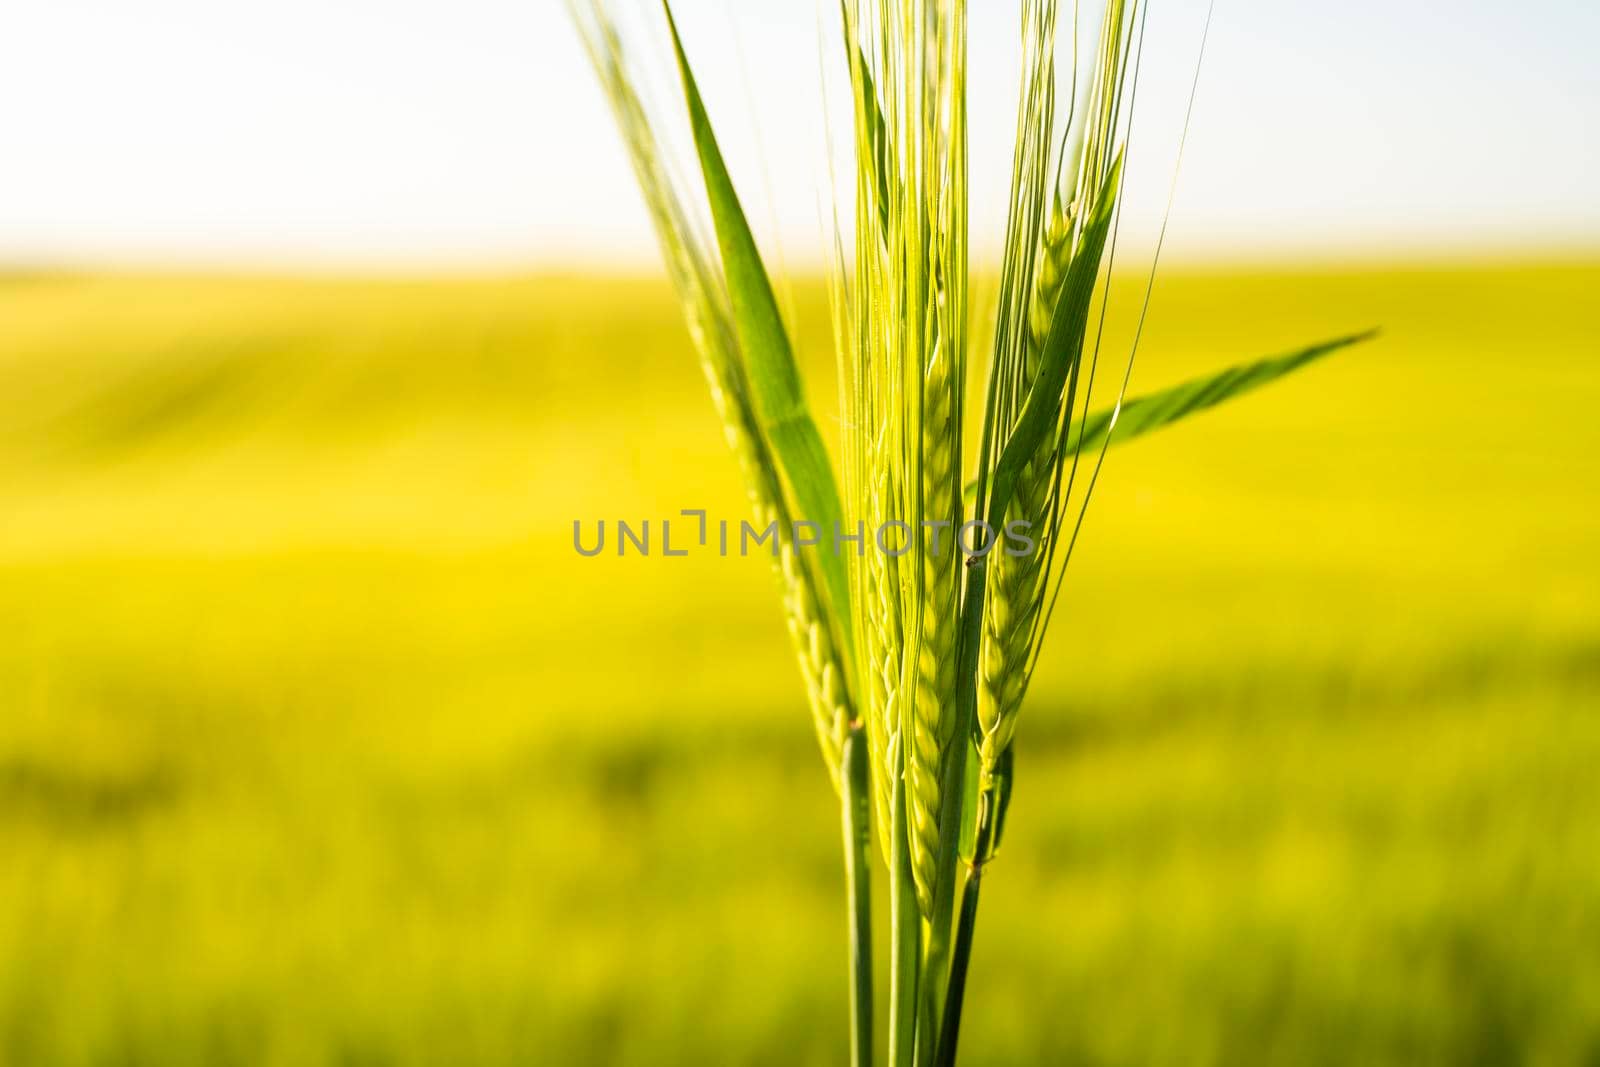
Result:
{"points": [[990, 804], [906, 920], [855, 804], [960, 955]]}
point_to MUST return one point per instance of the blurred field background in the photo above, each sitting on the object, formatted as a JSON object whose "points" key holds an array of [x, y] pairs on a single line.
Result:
{"points": [[321, 745]]}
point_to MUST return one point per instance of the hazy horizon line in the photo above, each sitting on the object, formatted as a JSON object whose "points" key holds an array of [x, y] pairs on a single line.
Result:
{"points": [[1464, 254]]}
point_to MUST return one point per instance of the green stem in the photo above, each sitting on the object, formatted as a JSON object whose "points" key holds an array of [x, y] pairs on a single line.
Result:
{"points": [[988, 823], [950, 1029], [907, 923], [926, 1044], [855, 801]]}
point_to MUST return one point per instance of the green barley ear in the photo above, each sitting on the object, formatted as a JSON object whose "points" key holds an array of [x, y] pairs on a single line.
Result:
{"points": [[1022, 589], [1038, 252], [934, 727], [710, 315], [873, 438], [1043, 247], [943, 381], [903, 347]]}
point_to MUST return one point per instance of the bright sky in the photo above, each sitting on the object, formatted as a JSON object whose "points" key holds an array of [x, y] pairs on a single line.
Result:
{"points": [[404, 133]]}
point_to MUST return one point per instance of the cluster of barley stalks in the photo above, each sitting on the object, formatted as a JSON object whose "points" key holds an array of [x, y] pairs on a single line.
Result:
{"points": [[917, 660]]}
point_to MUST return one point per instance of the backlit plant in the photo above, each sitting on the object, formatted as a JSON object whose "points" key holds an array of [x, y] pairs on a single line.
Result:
{"points": [[917, 651]]}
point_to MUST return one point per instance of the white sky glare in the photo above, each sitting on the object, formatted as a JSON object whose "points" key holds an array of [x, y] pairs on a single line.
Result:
{"points": [[357, 132]]}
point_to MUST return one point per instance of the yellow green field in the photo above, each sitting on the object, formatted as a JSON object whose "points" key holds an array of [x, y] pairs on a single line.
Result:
{"points": [[319, 744]]}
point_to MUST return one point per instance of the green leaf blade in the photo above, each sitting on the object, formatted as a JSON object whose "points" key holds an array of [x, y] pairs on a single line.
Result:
{"points": [[1155, 411], [774, 376], [1146, 414]]}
